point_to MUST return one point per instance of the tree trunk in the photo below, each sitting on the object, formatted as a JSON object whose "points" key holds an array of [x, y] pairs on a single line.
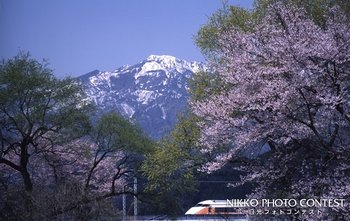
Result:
{"points": [[28, 185]]}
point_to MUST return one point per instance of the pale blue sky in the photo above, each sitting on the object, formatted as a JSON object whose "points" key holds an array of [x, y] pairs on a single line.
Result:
{"points": [[79, 36]]}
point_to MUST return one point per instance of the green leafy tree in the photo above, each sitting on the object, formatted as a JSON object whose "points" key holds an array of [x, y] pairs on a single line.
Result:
{"points": [[36, 107], [54, 164], [113, 134], [171, 167], [207, 38], [204, 84]]}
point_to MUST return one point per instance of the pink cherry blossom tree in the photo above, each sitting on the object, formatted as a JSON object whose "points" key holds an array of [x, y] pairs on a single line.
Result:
{"points": [[288, 84], [74, 177]]}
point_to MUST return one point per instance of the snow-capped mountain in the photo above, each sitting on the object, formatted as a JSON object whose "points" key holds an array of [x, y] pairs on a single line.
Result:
{"points": [[151, 92]]}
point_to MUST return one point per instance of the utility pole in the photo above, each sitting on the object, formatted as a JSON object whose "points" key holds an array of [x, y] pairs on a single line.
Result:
{"points": [[124, 205], [135, 198]]}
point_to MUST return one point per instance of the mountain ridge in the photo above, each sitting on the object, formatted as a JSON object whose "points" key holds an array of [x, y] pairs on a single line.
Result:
{"points": [[151, 92]]}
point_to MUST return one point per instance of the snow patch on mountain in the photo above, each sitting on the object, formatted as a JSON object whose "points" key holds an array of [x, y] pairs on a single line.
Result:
{"points": [[149, 69], [128, 110], [145, 96]]}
